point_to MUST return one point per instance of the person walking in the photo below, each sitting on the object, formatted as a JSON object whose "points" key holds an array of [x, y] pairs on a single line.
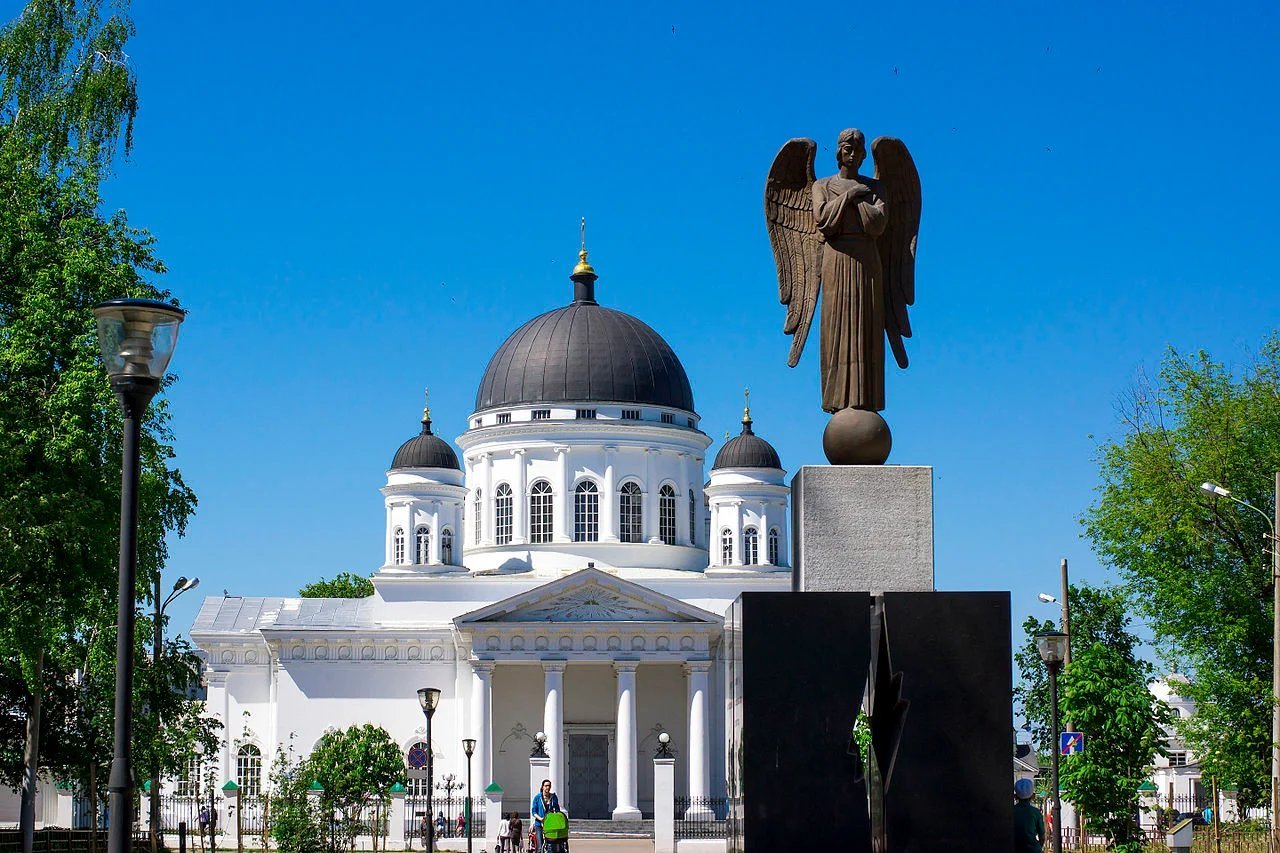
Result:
{"points": [[544, 802], [425, 829], [504, 834], [461, 825], [517, 833], [441, 826], [1028, 822]]}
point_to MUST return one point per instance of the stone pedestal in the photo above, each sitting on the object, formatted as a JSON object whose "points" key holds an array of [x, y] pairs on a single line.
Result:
{"points": [[539, 769], [396, 819], [862, 528], [664, 805], [492, 813]]}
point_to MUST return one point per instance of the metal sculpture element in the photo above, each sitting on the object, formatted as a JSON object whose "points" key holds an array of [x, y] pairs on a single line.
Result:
{"points": [[855, 236]]}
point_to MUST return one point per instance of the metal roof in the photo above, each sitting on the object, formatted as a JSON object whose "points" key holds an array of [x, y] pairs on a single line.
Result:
{"points": [[234, 614], [426, 450], [747, 450]]}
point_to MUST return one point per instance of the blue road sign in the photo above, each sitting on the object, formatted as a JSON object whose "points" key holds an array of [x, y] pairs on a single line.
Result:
{"points": [[1070, 743]]}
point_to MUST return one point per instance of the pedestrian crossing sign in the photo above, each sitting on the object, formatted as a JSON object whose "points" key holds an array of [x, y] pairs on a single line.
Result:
{"points": [[1071, 743]]}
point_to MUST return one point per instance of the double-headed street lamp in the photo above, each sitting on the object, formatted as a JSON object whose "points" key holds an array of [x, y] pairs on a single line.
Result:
{"points": [[1219, 491], [137, 338], [157, 643], [469, 747], [428, 698], [1053, 650]]}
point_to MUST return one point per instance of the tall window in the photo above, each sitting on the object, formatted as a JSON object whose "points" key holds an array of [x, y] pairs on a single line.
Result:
{"points": [[422, 545], [750, 546], [504, 417], [189, 782], [667, 515], [773, 546], [693, 520], [478, 521], [416, 762], [726, 547], [586, 512], [397, 546], [540, 512], [446, 546], [630, 513], [502, 515], [249, 770]]}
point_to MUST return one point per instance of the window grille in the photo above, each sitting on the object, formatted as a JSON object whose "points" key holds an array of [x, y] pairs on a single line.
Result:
{"points": [[586, 414], [726, 547], [773, 547], [502, 515], [1178, 758], [630, 513], [189, 782], [586, 512], [249, 770], [668, 418], [667, 515], [750, 546], [422, 546], [478, 520], [397, 546], [504, 418], [478, 422], [541, 414], [693, 520], [631, 414], [446, 546], [540, 512]]}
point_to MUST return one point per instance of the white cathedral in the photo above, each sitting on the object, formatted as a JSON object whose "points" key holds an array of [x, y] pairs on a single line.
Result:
{"points": [[570, 576]]}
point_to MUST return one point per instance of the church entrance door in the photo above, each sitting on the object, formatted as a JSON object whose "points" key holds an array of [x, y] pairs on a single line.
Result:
{"points": [[586, 770]]}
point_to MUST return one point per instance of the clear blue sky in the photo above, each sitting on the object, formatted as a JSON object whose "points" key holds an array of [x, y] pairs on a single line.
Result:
{"points": [[354, 204]]}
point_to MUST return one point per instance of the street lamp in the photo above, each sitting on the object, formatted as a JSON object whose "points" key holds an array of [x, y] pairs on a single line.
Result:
{"points": [[428, 698], [469, 747], [157, 642], [137, 337], [1214, 489], [539, 746], [1053, 649], [664, 746]]}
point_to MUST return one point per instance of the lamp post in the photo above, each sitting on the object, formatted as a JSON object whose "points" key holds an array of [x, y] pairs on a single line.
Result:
{"points": [[1273, 838], [664, 746], [469, 747], [157, 643], [428, 698], [1053, 649], [137, 337]]}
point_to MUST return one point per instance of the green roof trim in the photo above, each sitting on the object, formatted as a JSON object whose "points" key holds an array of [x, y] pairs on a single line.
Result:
{"points": [[1147, 785], [146, 786], [231, 786], [397, 788], [494, 788], [315, 786]]}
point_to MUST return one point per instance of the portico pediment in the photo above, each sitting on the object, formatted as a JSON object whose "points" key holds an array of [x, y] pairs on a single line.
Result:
{"points": [[588, 595]]}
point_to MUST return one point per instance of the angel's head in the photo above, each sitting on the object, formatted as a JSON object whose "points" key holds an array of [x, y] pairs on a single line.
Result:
{"points": [[851, 150]]}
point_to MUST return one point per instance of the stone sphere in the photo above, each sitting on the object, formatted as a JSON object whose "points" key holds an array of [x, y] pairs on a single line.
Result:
{"points": [[856, 437]]}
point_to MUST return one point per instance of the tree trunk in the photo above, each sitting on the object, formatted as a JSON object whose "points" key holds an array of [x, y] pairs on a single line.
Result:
{"points": [[31, 759]]}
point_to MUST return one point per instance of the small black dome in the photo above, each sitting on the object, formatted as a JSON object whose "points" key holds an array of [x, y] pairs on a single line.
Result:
{"points": [[747, 450], [426, 450], [584, 353]]}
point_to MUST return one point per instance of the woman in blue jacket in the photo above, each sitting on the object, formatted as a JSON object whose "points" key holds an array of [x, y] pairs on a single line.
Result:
{"points": [[544, 802]]}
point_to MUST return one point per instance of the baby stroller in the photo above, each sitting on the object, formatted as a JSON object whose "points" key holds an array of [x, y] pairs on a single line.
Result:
{"points": [[555, 829]]}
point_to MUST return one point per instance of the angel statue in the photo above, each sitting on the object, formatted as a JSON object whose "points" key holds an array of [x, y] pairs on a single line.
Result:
{"points": [[855, 236]]}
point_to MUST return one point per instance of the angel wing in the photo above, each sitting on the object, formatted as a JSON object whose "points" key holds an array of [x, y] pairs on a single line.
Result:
{"points": [[897, 245], [793, 232]]}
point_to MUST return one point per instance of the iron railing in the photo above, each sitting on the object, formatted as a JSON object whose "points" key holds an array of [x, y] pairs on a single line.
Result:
{"points": [[702, 817], [415, 807]]}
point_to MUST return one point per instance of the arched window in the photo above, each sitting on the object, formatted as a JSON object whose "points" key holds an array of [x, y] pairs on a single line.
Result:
{"points": [[249, 770], [446, 546], [750, 546], [630, 513], [478, 520], [422, 545], [667, 515], [773, 546], [397, 546], [726, 547], [693, 520], [586, 512], [416, 762], [502, 515], [540, 512]]}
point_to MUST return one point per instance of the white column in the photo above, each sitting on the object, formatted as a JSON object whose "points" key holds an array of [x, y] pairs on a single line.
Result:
{"points": [[563, 528], [609, 498], [520, 502], [697, 673], [651, 485], [486, 532], [435, 532], [396, 821], [387, 561], [664, 805], [739, 552], [764, 535], [683, 485], [553, 719], [482, 722], [627, 808]]}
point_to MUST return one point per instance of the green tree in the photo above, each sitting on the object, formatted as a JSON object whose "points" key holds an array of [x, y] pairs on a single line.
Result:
{"points": [[1031, 695], [343, 585], [356, 767], [297, 824], [67, 103], [1194, 565]]}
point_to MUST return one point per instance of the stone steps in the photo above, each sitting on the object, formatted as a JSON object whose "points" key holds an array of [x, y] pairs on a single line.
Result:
{"points": [[609, 828]]}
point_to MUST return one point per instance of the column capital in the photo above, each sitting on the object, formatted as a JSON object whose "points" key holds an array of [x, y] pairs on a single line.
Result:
{"points": [[519, 451], [483, 667], [554, 665], [693, 666], [562, 449], [621, 666]]}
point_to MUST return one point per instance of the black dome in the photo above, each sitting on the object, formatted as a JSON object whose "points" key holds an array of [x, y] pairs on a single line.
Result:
{"points": [[584, 353], [747, 450], [426, 450]]}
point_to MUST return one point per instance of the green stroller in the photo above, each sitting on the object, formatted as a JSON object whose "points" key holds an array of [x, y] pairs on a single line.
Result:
{"points": [[555, 829]]}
